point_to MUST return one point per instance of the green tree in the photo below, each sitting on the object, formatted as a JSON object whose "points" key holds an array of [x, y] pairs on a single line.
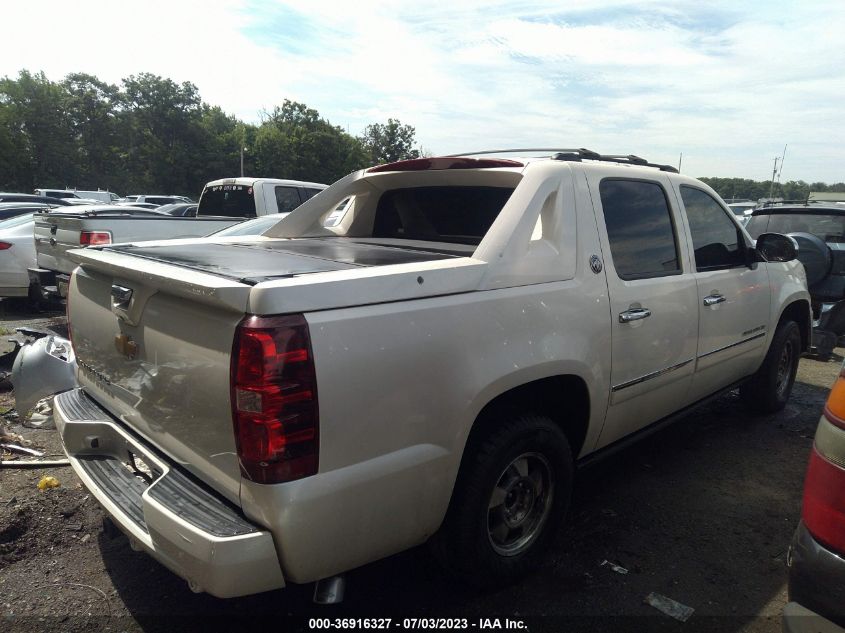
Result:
{"points": [[293, 141], [163, 122], [390, 142], [92, 115], [37, 125]]}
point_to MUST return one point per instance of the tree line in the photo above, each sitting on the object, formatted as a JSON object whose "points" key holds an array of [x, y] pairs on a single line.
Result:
{"points": [[152, 135], [757, 189]]}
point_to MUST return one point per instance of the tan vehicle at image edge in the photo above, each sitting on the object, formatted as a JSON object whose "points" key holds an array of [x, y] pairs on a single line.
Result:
{"points": [[432, 366]]}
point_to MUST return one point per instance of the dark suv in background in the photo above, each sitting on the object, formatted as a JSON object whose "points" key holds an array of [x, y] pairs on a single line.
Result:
{"points": [[819, 230]]}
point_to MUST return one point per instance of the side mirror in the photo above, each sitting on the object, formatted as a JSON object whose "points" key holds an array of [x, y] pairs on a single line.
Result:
{"points": [[774, 247]]}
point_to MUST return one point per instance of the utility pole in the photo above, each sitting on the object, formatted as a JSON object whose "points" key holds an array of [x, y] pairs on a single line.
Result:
{"points": [[680, 160]]}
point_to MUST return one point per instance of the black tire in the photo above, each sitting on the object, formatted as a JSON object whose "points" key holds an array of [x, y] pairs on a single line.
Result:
{"points": [[769, 388], [525, 463]]}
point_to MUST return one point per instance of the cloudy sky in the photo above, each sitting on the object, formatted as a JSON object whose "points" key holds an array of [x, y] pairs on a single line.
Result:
{"points": [[727, 84]]}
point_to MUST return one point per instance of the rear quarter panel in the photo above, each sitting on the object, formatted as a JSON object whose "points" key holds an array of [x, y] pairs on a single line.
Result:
{"points": [[400, 386]]}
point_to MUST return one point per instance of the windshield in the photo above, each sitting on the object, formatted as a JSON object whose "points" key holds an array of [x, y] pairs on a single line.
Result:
{"points": [[830, 227], [234, 201], [16, 221], [251, 227]]}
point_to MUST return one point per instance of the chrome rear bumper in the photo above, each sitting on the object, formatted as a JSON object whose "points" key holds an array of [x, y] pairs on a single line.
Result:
{"points": [[176, 520]]}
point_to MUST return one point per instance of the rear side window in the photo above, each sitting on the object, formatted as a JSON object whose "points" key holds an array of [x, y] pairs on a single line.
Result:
{"points": [[287, 199], [639, 229], [233, 201], [716, 240], [829, 227], [459, 215]]}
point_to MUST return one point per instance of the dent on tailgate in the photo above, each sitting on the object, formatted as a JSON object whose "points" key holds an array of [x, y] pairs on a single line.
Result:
{"points": [[160, 361]]}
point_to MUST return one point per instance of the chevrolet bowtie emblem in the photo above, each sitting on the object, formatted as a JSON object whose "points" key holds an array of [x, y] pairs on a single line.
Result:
{"points": [[126, 346]]}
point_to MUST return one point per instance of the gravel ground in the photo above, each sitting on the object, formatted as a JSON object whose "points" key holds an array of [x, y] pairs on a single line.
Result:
{"points": [[701, 512]]}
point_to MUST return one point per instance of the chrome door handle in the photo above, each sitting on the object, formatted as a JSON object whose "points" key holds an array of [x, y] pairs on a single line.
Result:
{"points": [[711, 300], [634, 314]]}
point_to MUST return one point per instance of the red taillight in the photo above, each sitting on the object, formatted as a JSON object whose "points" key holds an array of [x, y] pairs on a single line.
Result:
{"points": [[823, 511], [4, 246], [274, 399], [93, 238], [445, 162]]}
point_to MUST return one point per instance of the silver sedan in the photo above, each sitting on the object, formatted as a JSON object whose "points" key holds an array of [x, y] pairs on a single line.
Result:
{"points": [[17, 253]]}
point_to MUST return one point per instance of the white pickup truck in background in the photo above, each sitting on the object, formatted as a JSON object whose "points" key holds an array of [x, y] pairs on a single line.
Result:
{"points": [[432, 365], [222, 203]]}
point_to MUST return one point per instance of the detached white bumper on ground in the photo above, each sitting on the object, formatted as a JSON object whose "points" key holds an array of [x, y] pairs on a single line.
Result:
{"points": [[165, 513]]}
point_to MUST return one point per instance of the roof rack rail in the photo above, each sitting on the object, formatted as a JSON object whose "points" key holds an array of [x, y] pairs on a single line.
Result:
{"points": [[577, 155], [779, 203]]}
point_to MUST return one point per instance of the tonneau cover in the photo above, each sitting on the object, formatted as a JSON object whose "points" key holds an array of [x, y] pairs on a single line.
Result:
{"points": [[252, 262]]}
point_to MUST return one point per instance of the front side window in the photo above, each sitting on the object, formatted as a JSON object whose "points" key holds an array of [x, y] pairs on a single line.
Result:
{"points": [[717, 241], [639, 229], [287, 199]]}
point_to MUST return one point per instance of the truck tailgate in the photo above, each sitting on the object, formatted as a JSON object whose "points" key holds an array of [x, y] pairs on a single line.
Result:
{"points": [[153, 345], [54, 237]]}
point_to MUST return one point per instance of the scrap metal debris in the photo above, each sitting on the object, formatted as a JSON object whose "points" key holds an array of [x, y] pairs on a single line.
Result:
{"points": [[672, 608], [43, 367], [38, 463], [23, 450], [41, 416], [617, 568]]}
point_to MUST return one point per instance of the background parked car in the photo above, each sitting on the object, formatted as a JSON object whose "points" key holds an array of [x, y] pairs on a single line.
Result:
{"points": [[816, 558], [158, 200], [180, 209], [100, 196], [56, 193], [17, 253], [256, 226], [14, 209], [32, 198], [137, 205], [819, 230]]}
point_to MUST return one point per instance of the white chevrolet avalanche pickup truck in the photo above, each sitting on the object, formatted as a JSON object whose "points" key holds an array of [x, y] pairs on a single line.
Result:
{"points": [[278, 409]]}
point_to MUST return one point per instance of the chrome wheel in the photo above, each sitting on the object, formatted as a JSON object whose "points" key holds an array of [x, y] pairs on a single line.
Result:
{"points": [[519, 504]]}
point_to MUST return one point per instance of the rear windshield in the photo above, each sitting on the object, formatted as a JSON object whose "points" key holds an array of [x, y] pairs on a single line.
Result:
{"points": [[234, 201], [829, 227], [459, 215]]}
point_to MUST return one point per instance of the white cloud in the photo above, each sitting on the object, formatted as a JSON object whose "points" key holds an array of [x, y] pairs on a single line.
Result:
{"points": [[726, 85]]}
